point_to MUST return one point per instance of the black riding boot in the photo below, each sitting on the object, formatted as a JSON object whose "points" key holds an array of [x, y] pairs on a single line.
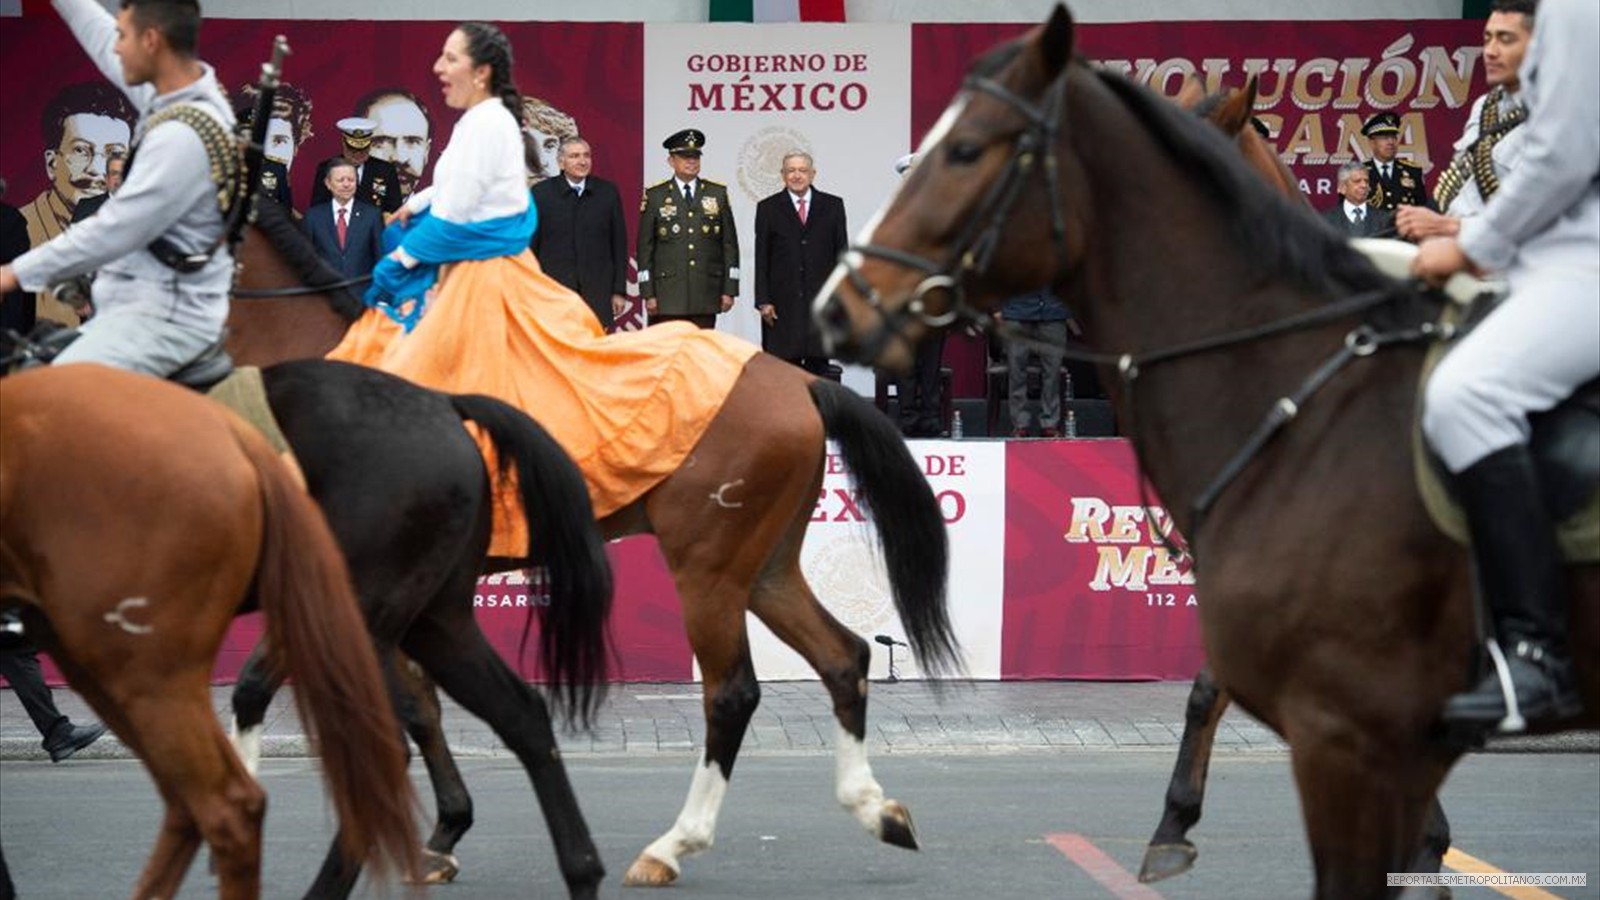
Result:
{"points": [[1520, 574]]}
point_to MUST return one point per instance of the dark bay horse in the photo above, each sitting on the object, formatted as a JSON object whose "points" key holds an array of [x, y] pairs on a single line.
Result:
{"points": [[407, 495], [1170, 852], [1335, 611], [726, 558], [136, 520]]}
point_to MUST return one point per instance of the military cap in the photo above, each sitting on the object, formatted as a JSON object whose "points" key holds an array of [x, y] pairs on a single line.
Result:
{"points": [[1381, 123], [357, 132], [688, 142], [904, 163]]}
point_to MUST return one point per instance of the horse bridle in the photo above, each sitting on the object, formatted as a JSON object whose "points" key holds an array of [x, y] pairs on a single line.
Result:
{"points": [[974, 250]]}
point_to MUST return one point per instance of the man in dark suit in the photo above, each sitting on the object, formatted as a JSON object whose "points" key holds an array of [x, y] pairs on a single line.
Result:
{"points": [[1393, 182], [347, 232], [1353, 216], [377, 180], [581, 240], [800, 232], [16, 307], [688, 246]]}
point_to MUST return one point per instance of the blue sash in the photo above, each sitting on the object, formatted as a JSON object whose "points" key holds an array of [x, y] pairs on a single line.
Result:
{"points": [[399, 292]]}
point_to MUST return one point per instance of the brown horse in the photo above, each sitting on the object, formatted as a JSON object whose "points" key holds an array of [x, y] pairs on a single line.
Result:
{"points": [[1336, 612], [190, 519], [1170, 852], [727, 558]]}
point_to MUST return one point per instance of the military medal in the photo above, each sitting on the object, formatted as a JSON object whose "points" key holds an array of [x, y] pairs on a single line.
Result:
{"points": [[674, 227], [709, 204], [668, 211]]}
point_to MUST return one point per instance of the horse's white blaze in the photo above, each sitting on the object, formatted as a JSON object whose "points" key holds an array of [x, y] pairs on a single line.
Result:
{"points": [[853, 259], [247, 744], [696, 827], [858, 791]]}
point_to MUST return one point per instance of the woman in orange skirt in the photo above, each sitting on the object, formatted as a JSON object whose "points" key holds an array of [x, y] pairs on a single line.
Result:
{"points": [[460, 305]]}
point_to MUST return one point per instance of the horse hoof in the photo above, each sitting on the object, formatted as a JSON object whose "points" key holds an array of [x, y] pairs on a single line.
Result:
{"points": [[647, 871], [437, 868], [896, 827], [1162, 861]]}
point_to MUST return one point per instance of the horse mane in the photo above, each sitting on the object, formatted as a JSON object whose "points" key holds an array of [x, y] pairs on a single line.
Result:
{"points": [[1274, 235], [285, 236]]}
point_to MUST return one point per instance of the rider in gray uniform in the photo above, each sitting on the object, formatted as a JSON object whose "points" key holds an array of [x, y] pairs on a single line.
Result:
{"points": [[1542, 229], [149, 316]]}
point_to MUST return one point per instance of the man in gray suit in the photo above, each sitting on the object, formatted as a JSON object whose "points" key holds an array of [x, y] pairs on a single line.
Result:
{"points": [[1351, 216]]}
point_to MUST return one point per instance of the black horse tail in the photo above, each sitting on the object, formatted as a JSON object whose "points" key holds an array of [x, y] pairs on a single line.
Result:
{"points": [[909, 523], [574, 640]]}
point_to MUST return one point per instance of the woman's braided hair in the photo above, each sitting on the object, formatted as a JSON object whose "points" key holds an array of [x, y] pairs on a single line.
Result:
{"points": [[489, 46]]}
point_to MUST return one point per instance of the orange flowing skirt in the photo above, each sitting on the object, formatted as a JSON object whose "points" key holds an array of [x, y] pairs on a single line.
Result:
{"points": [[627, 407]]}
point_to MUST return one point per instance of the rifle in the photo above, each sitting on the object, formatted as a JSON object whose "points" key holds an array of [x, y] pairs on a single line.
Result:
{"points": [[243, 208]]}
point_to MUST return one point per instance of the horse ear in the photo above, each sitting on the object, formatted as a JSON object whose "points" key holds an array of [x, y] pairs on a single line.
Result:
{"points": [[1234, 113], [1055, 43], [1190, 95]]}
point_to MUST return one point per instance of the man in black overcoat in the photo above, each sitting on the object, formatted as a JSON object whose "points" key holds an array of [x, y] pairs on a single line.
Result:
{"points": [[800, 232], [581, 240]]}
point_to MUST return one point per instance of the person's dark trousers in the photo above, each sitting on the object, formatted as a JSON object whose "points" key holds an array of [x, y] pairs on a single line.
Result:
{"points": [[707, 321], [921, 407], [18, 312], [21, 669], [1520, 572], [816, 365]]}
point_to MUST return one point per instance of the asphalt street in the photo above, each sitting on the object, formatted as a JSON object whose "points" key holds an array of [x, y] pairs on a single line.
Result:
{"points": [[993, 825]]}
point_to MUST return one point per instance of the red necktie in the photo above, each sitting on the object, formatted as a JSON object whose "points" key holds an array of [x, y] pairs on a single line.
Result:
{"points": [[344, 228], [802, 210]]}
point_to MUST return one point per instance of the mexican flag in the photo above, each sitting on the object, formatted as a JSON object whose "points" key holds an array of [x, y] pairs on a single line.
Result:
{"points": [[777, 10]]}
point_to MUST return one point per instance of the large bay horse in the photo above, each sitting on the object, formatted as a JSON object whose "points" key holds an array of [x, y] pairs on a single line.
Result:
{"points": [[726, 558], [1335, 611], [406, 493], [1170, 852], [136, 520]]}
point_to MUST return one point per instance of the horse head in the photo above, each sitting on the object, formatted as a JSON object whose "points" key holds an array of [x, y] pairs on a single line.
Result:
{"points": [[935, 255]]}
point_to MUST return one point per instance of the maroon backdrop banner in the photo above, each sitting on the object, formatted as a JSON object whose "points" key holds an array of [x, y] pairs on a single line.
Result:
{"points": [[1090, 592], [1318, 81], [592, 72]]}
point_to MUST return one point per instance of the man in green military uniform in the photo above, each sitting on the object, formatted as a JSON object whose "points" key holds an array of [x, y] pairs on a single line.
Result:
{"points": [[1393, 182], [688, 247]]}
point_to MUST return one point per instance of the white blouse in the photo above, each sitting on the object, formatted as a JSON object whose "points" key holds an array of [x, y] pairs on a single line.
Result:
{"points": [[482, 174]]}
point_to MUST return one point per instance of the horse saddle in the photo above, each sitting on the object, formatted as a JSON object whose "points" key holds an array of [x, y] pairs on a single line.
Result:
{"points": [[1565, 442], [202, 373], [213, 373]]}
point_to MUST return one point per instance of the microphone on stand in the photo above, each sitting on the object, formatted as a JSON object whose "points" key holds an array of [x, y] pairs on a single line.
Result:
{"points": [[891, 643]]}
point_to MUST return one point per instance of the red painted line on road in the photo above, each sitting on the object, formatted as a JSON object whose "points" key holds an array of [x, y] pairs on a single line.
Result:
{"points": [[1102, 868]]}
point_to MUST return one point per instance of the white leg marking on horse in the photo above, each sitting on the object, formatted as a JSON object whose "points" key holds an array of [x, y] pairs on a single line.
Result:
{"points": [[119, 616], [247, 744], [859, 792], [720, 495], [696, 828]]}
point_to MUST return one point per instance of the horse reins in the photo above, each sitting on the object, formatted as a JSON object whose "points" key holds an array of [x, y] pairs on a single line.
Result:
{"points": [[301, 290], [975, 250]]}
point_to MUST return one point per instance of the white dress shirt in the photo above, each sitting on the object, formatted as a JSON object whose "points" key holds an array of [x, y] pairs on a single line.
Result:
{"points": [[1350, 210], [481, 175], [796, 198]]}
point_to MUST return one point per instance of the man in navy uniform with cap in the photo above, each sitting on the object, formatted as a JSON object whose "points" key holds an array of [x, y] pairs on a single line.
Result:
{"points": [[688, 248], [1393, 182], [378, 181]]}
